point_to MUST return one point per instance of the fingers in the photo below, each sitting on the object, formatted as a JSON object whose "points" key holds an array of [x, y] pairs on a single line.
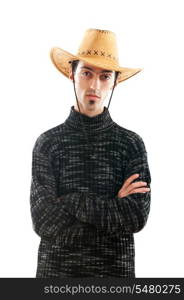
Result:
{"points": [[124, 193], [130, 179], [139, 190], [135, 187]]}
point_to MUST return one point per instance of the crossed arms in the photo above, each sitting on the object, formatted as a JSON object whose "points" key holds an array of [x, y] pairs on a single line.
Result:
{"points": [[126, 212]]}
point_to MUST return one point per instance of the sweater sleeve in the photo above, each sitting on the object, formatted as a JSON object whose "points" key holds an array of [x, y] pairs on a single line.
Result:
{"points": [[49, 214], [127, 214]]}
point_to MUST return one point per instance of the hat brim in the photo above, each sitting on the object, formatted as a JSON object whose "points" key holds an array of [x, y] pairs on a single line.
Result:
{"points": [[61, 59]]}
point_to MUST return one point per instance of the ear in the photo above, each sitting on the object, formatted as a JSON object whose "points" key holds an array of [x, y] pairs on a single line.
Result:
{"points": [[113, 85], [70, 74]]}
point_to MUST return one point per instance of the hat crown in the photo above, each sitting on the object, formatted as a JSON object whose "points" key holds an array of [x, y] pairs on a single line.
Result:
{"points": [[101, 44], [98, 48]]}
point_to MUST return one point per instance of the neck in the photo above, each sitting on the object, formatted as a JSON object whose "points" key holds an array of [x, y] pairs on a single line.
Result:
{"points": [[100, 122], [89, 112]]}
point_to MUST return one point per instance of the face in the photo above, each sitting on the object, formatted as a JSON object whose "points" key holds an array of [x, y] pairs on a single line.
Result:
{"points": [[92, 85]]}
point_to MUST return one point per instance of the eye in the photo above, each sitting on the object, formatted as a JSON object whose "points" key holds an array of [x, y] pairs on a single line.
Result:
{"points": [[85, 73], [106, 76]]}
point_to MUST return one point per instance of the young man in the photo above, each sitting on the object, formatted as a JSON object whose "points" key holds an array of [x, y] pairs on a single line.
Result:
{"points": [[90, 189]]}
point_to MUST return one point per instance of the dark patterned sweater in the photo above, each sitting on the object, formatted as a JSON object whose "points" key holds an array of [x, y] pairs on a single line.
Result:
{"points": [[85, 228]]}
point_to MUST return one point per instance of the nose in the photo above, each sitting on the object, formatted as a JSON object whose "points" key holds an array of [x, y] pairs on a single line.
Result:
{"points": [[95, 83]]}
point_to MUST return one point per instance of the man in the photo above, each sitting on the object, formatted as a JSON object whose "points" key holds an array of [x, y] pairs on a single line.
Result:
{"points": [[90, 189]]}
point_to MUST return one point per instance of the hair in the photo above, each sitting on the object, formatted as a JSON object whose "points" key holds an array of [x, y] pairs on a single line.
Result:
{"points": [[74, 64]]}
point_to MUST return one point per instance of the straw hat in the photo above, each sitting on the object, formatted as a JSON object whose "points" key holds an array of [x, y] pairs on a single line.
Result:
{"points": [[98, 48]]}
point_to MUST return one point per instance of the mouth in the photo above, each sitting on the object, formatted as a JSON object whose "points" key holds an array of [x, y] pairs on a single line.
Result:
{"points": [[93, 96]]}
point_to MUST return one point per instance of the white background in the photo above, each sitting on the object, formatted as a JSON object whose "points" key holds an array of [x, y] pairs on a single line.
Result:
{"points": [[35, 96]]}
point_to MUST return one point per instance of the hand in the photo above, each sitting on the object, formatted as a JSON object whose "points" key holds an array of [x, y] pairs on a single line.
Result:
{"points": [[131, 188]]}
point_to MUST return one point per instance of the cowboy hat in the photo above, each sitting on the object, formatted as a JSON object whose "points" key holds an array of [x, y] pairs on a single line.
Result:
{"points": [[98, 48]]}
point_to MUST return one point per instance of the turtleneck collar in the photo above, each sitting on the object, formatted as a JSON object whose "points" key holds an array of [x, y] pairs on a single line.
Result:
{"points": [[99, 122]]}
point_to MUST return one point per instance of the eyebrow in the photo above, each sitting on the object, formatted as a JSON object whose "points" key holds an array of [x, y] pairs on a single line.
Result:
{"points": [[104, 71]]}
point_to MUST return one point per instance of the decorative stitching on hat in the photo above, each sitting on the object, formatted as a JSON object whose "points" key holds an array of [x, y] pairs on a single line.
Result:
{"points": [[97, 53], [102, 31]]}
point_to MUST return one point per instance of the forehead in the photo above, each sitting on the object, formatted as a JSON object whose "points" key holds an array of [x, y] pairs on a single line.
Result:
{"points": [[83, 65]]}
